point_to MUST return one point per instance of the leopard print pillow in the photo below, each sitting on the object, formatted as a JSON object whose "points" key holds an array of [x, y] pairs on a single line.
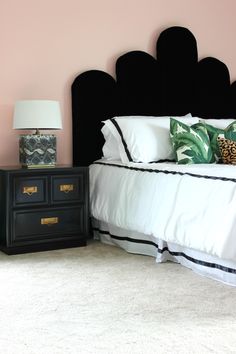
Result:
{"points": [[227, 150]]}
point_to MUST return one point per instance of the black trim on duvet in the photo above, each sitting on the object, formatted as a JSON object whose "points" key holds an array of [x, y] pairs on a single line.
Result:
{"points": [[166, 249], [165, 171]]}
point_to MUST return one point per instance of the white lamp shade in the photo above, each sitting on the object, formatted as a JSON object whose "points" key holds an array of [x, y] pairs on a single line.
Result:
{"points": [[37, 114]]}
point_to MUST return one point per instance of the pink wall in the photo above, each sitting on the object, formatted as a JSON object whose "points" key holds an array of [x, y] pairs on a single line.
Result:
{"points": [[46, 43]]}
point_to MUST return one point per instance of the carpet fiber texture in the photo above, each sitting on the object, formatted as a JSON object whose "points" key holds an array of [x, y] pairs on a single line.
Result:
{"points": [[100, 299]]}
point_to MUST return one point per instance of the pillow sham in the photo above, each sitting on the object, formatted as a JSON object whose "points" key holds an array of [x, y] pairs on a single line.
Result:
{"points": [[229, 132], [227, 149], [218, 123], [191, 145], [143, 138], [110, 149]]}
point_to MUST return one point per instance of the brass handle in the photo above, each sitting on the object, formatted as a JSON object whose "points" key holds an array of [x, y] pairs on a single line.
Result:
{"points": [[30, 190], [49, 221], [66, 188]]}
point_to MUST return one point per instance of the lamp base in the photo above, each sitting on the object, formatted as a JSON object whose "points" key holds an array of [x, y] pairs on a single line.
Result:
{"points": [[38, 150]]}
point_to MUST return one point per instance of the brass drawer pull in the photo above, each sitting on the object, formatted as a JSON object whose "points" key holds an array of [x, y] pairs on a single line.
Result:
{"points": [[66, 188], [49, 221], [30, 190]]}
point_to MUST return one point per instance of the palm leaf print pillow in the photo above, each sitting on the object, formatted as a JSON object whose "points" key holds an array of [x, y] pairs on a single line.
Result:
{"points": [[191, 144], [214, 133]]}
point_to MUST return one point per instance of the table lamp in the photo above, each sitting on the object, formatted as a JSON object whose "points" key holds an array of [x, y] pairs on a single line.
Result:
{"points": [[37, 150]]}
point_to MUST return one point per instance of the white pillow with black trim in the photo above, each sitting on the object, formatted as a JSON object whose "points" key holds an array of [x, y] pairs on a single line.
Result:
{"points": [[110, 148], [143, 138]]}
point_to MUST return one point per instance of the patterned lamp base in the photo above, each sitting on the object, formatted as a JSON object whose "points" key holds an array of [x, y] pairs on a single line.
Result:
{"points": [[38, 150]]}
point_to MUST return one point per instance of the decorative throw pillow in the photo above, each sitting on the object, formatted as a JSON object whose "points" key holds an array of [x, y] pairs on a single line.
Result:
{"points": [[191, 145], [227, 150], [228, 133]]}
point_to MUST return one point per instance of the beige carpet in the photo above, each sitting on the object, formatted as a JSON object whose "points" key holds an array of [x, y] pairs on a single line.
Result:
{"points": [[100, 299]]}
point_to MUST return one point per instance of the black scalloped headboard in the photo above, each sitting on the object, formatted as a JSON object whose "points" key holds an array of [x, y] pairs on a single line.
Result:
{"points": [[173, 83]]}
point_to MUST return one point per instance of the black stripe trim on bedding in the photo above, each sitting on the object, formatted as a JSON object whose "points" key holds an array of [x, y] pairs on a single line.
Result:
{"points": [[122, 139], [172, 253], [165, 171]]}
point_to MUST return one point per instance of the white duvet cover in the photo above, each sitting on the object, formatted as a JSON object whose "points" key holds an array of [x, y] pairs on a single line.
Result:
{"points": [[188, 205]]}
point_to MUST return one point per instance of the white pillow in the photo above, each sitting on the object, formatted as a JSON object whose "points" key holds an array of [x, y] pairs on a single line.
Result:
{"points": [[218, 123], [110, 148], [142, 138]]}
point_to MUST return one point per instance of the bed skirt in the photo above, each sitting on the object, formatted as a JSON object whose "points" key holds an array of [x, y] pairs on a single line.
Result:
{"points": [[138, 243]]}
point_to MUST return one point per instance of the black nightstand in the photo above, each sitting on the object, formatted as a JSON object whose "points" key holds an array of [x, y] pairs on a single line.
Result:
{"points": [[43, 209]]}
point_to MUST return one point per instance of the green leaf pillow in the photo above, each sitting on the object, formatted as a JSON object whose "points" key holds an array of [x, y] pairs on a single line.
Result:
{"points": [[228, 133], [191, 144]]}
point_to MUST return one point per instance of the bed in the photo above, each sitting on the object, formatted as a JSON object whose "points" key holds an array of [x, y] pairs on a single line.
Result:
{"points": [[141, 199]]}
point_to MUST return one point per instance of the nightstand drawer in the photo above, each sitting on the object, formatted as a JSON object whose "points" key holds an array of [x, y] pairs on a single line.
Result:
{"points": [[68, 188], [35, 224], [28, 190]]}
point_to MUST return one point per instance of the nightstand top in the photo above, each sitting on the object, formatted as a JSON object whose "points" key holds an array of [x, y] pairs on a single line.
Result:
{"points": [[21, 169]]}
